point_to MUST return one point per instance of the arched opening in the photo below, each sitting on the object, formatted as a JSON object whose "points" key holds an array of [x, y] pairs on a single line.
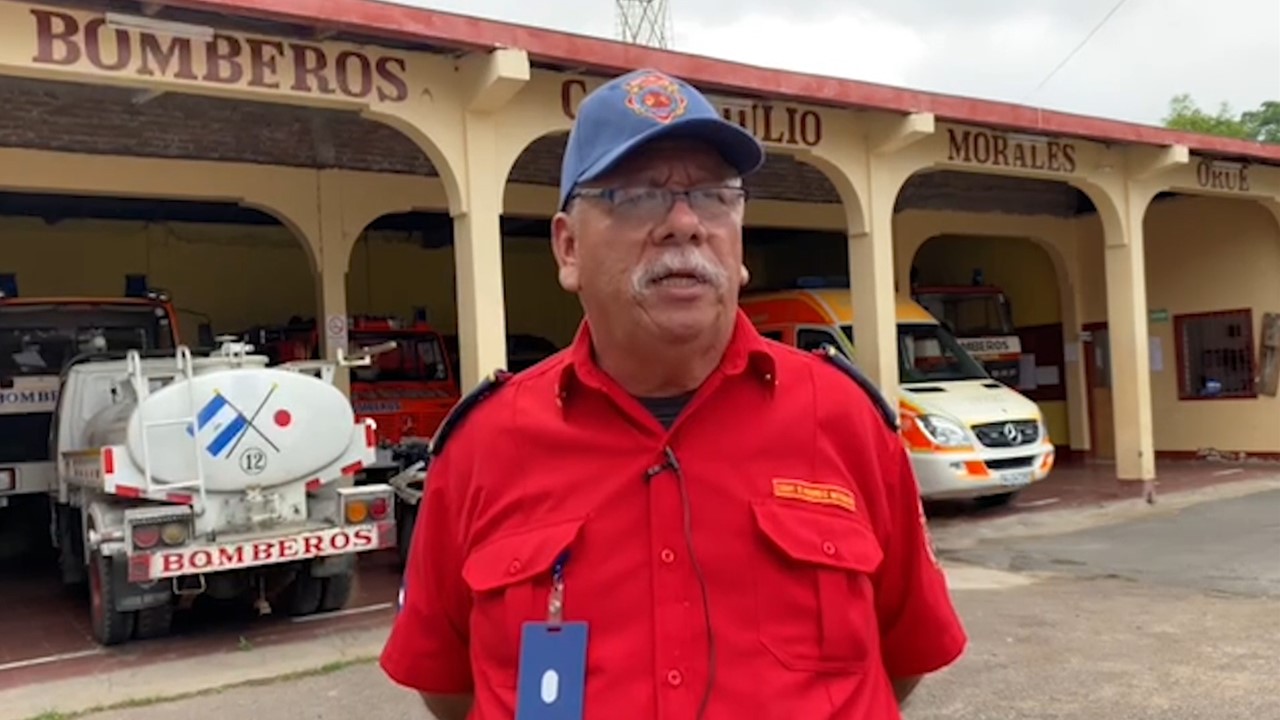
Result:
{"points": [[992, 259], [541, 316], [80, 214], [1211, 263], [1001, 298], [401, 289]]}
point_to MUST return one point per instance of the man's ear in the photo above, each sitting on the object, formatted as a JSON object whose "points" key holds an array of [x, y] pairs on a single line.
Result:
{"points": [[564, 245]]}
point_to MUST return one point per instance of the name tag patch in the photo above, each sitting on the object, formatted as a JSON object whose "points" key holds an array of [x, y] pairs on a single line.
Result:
{"points": [[816, 493]]}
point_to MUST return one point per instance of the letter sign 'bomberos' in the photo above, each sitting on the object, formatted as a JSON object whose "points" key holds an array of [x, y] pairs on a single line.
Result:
{"points": [[270, 64]]}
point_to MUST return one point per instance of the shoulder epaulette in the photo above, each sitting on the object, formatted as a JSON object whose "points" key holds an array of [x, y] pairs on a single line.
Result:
{"points": [[842, 363], [464, 406]]}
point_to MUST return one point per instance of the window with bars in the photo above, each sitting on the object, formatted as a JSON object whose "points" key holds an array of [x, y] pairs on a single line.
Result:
{"points": [[1215, 355]]}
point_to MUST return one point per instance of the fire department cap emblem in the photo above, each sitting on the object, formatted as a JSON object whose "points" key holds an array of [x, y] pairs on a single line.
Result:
{"points": [[656, 97]]}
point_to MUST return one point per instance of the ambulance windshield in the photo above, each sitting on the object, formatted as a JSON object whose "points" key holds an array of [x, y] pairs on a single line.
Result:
{"points": [[928, 353]]}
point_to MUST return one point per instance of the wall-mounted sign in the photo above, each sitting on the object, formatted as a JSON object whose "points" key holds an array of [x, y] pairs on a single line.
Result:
{"points": [[777, 124], [1222, 176], [62, 39], [1158, 316], [982, 147]]}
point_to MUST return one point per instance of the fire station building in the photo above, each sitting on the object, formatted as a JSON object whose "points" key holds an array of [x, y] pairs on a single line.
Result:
{"points": [[262, 159]]}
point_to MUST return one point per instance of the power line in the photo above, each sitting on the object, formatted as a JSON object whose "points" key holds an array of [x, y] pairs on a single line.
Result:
{"points": [[1079, 47]]}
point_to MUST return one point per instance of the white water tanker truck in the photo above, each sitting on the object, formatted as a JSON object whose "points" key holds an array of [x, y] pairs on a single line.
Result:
{"points": [[180, 476]]}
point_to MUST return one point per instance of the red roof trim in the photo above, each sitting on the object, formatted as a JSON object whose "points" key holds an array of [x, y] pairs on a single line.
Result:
{"points": [[608, 56]]}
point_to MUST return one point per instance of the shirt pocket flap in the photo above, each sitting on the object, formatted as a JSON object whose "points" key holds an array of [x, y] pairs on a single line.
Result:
{"points": [[518, 556], [820, 538]]}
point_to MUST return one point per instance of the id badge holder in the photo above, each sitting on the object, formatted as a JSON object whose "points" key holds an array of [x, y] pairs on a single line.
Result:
{"points": [[551, 676]]}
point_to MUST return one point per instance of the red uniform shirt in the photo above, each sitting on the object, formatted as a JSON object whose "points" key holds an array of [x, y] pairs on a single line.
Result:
{"points": [[804, 520]]}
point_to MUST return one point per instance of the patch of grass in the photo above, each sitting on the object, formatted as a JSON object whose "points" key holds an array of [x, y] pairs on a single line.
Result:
{"points": [[326, 669]]}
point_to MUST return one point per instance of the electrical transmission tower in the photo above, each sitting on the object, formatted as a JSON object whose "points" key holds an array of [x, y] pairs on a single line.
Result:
{"points": [[645, 22]]}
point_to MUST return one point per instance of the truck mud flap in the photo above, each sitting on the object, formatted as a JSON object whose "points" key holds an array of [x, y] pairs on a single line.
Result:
{"points": [[133, 596]]}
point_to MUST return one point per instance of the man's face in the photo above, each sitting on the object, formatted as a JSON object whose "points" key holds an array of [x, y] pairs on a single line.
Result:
{"points": [[674, 272]]}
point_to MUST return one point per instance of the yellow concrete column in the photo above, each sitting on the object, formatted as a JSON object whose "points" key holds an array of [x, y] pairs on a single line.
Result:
{"points": [[871, 276], [1130, 361], [871, 248], [482, 337], [1127, 320], [331, 273]]}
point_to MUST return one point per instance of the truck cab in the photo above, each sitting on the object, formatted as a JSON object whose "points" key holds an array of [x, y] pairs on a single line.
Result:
{"points": [[38, 337], [981, 319]]}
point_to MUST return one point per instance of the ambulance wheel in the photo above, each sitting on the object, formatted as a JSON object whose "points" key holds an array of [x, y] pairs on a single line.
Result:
{"points": [[995, 501], [110, 626], [337, 591], [154, 622]]}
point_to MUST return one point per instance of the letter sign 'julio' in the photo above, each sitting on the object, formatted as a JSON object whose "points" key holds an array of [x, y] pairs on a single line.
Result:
{"points": [[269, 64]]}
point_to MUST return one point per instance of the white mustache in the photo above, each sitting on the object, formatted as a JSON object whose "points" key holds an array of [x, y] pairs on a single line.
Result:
{"points": [[684, 260]]}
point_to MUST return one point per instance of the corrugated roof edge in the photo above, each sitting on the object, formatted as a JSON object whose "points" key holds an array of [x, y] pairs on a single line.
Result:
{"points": [[379, 19]]}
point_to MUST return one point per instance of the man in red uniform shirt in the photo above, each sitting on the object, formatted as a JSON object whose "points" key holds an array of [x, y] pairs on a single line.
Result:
{"points": [[735, 521]]}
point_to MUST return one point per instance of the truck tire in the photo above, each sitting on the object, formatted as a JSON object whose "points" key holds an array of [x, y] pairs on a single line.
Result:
{"points": [[304, 595], [154, 622], [337, 591], [404, 531], [110, 626], [70, 547]]}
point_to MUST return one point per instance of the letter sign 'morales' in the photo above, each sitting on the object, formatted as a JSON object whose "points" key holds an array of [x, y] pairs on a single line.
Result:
{"points": [[63, 40], [981, 147]]}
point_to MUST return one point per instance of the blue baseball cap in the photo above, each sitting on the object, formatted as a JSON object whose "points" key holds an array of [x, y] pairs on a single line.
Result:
{"points": [[644, 105]]}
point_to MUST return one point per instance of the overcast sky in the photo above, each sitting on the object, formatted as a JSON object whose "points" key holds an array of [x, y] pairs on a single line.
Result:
{"points": [[1147, 52]]}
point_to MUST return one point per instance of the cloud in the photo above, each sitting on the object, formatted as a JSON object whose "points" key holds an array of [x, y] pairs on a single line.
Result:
{"points": [[851, 44], [1149, 51]]}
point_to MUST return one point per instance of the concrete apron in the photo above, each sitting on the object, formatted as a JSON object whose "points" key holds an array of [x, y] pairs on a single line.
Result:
{"points": [[201, 673], [952, 534], [210, 672]]}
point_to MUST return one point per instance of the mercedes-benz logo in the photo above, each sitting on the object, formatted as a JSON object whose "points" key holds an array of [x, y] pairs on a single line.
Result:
{"points": [[1011, 432]]}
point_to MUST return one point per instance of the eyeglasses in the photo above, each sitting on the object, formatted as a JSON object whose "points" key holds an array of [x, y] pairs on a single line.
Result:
{"points": [[651, 205]]}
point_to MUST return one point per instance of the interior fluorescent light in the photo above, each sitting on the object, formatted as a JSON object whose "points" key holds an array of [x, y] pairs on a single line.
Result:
{"points": [[1226, 165], [162, 27]]}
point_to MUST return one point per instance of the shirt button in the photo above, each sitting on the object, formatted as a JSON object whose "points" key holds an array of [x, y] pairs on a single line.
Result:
{"points": [[674, 678], [829, 547], [514, 567], [668, 555]]}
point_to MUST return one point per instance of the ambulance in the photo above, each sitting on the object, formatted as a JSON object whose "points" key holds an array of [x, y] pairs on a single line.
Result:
{"points": [[968, 435]]}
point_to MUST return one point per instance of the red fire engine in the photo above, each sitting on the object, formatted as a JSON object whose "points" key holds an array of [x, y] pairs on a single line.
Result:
{"points": [[407, 390]]}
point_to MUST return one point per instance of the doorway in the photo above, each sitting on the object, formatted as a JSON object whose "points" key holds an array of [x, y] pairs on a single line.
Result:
{"points": [[1095, 346]]}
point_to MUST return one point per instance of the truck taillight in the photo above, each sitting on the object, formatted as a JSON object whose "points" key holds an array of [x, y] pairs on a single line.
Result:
{"points": [[361, 507], [147, 536]]}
